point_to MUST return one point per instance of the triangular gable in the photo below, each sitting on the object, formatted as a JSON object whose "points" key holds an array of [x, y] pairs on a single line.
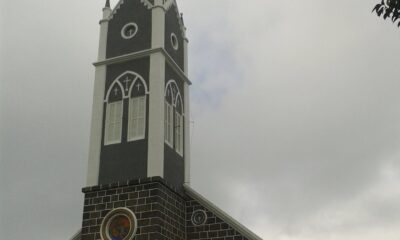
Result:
{"points": [[221, 214]]}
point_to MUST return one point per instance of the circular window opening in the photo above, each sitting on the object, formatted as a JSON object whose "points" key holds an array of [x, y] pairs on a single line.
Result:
{"points": [[199, 217], [129, 30], [119, 224], [174, 41]]}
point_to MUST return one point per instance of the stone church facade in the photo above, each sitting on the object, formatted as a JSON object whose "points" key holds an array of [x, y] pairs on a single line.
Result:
{"points": [[139, 159]]}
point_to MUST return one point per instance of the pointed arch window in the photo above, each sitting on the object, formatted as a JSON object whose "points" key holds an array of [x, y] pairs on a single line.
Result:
{"points": [[137, 111], [168, 117], [179, 125], [173, 117], [114, 110]]}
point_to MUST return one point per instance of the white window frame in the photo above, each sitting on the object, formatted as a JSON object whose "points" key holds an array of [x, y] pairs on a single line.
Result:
{"points": [[179, 133], [108, 139], [169, 124], [134, 114]]}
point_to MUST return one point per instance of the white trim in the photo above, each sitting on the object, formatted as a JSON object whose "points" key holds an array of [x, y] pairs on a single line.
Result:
{"points": [[144, 53], [221, 214], [111, 87], [198, 211], [171, 81], [169, 124], [186, 146], [124, 36], [134, 81], [180, 98], [174, 41]]}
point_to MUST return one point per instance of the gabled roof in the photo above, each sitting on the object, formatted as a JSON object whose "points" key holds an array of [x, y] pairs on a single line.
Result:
{"points": [[221, 214], [77, 236]]}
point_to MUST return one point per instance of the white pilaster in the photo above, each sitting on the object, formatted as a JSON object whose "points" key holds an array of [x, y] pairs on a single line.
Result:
{"points": [[158, 25], [97, 106], [155, 164]]}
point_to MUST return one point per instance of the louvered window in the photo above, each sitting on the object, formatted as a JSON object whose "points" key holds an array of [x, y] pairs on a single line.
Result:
{"points": [[179, 133], [137, 118], [168, 124], [113, 126]]}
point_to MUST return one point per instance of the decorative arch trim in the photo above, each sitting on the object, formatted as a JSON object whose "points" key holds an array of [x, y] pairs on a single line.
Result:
{"points": [[111, 87], [126, 94], [175, 96]]}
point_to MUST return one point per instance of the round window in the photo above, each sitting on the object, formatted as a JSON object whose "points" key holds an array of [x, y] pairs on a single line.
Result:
{"points": [[199, 217], [174, 41], [119, 224], [129, 30]]}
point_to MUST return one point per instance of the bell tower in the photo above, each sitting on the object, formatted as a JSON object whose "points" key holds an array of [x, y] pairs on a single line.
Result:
{"points": [[140, 116], [139, 157]]}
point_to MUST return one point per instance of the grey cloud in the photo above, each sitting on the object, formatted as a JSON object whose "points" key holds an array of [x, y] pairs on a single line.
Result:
{"points": [[295, 108]]}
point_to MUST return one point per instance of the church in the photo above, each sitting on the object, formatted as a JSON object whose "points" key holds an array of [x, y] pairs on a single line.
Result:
{"points": [[138, 180]]}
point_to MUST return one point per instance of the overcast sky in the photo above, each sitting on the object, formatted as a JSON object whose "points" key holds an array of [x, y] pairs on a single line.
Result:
{"points": [[296, 111]]}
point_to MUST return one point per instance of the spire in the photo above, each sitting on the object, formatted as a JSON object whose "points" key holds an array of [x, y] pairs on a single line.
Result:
{"points": [[108, 4]]}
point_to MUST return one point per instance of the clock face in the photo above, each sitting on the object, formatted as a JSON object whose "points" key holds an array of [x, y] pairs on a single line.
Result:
{"points": [[199, 217], [129, 30]]}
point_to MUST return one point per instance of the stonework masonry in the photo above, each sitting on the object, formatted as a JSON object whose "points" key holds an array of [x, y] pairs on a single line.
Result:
{"points": [[162, 212]]}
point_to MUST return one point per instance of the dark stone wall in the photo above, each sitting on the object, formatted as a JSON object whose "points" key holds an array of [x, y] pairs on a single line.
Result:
{"points": [[172, 26], [214, 228], [163, 213], [126, 160], [129, 11], [159, 210]]}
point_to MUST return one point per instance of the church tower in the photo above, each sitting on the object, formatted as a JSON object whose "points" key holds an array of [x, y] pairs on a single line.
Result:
{"points": [[140, 121], [138, 182]]}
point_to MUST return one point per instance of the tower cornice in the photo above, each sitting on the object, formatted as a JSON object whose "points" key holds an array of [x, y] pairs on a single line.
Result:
{"points": [[144, 53]]}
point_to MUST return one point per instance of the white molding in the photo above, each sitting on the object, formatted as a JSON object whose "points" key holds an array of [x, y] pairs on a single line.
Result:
{"points": [[144, 53], [134, 81], [110, 88], [169, 83], [174, 41], [183, 104], [187, 142], [124, 28], [220, 213]]}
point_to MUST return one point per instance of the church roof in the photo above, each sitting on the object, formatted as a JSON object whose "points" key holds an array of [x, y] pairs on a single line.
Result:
{"points": [[77, 236], [220, 213]]}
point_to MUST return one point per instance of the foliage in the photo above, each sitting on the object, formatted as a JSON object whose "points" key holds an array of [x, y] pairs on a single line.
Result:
{"points": [[389, 9]]}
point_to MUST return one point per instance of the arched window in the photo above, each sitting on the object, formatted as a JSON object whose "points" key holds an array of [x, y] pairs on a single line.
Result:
{"points": [[137, 110], [173, 117], [114, 110], [179, 125], [169, 116], [130, 88]]}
